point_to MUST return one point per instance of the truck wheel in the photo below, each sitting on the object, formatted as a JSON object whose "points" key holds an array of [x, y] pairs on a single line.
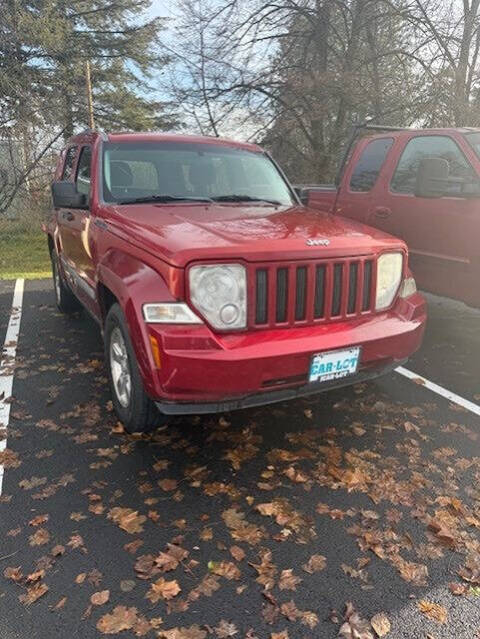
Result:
{"points": [[65, 299], [134, 408]]}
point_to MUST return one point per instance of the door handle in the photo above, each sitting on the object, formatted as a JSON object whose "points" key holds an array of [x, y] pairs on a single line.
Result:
{"points": [[382, 212], [68, 216]]}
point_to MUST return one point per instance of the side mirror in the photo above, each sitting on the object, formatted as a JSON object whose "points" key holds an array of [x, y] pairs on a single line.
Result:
{"points": [[302, 194], [66, 196], [432, 177]]}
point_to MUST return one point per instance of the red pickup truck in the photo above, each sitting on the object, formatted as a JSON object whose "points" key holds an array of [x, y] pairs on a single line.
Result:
{"points": [[422, 186], [215, 288]]}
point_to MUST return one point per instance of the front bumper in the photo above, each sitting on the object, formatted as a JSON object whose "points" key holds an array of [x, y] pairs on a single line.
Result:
{"points": [[203, 372], [272, 397]]}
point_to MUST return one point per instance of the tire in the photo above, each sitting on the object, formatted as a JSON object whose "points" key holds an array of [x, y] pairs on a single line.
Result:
{"points": [[64, 297], [134, 408]]}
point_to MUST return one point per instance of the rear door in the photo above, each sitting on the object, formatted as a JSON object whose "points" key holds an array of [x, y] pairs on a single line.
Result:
{"points": [[75, 229], [440, 232], [66, 216]]}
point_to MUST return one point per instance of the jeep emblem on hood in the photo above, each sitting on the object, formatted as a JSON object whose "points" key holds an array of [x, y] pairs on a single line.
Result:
{"points": [[318, 242]]}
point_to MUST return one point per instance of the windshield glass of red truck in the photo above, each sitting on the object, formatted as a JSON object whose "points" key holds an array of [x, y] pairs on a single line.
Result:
{"points": [[181, 172]]}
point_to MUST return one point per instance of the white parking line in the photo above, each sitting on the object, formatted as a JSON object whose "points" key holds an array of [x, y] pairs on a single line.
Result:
{"points": [[7, 364], [452, 397]]}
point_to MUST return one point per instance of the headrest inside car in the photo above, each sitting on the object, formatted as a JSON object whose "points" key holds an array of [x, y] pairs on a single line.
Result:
{"points": [[121, 174]]}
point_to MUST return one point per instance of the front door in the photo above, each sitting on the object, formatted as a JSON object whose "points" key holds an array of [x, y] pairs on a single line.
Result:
{"points": [[441, 233]]}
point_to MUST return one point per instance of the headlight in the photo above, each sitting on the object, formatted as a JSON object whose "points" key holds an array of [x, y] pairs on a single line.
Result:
{"points": [[219, 293], [408, 287], [169, 313], [389, 276]]}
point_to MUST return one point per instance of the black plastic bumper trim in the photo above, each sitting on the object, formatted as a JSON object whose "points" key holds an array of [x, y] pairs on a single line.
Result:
{"points": [[272, 397]]}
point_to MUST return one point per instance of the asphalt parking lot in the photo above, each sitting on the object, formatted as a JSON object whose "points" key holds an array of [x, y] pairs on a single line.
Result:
{"points": [[303, 519]]}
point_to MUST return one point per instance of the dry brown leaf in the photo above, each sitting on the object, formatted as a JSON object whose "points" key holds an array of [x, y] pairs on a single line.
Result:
{"points": [[33, 593], [15, 574], [38, 520], [237, 553], [121, 618], [354, 627], [381, 624], [163, 589], [60, 603], [127, 519], [458, 589], [100, 598], [225, 629], [225, 569], [315, 564], [35, 576], [288, 581], [40, 537], [433, 611], [194, 632], [168, 484]]}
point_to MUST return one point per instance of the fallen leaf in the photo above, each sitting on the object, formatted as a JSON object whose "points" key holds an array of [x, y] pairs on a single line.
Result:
{"points": [[225, 629], [237, 553], [381, 624], [60, 603], [193, 632], [315, 564], [354, 627], [225, 569], [433, 611], [33, 593], [100, 598], [458, 589], [288, 581], [163, 589], [127, 519], [121, 618], [40, 537], [127, 585]]}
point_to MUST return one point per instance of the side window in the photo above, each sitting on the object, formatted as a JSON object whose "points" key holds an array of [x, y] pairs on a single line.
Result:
{"points": [[83, 171], [369, 165], [69, 162], [429, 146]]}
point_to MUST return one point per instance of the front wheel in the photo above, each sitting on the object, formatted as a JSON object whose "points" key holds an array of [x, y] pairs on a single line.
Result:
{"points": [[134, 408]]}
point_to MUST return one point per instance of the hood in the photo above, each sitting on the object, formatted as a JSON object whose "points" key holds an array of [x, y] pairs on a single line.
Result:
{"points": [[182, 233]]}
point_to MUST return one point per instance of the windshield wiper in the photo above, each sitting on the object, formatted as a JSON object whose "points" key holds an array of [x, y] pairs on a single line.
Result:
{"points": [[244, 198], [164, 198]]}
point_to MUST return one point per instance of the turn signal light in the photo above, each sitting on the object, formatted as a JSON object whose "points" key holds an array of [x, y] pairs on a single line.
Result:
{"points": [[155, 351]]}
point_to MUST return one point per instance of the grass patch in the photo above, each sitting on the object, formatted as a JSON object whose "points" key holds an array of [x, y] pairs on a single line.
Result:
{"points": [[23, 253]]}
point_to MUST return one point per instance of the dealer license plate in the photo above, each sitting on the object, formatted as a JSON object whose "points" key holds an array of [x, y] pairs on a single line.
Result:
{"points": [[334, 364]]}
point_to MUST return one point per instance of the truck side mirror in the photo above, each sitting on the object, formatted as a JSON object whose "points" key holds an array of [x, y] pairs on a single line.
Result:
{"points": [[302, 194], [432, 177], [66, 196]]}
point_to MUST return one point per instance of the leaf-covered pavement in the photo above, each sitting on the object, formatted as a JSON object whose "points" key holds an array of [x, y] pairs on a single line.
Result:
{"points": [[355, 514]]}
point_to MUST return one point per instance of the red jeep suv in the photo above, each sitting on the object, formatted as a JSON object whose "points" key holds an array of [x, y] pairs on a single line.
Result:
{"points": [[215, 288]]}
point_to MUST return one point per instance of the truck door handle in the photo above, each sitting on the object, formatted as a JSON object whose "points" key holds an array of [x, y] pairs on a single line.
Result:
{"points": [[383, 212], [68, 216]]}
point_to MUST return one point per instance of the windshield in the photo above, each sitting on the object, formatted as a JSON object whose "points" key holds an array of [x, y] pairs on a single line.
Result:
{"points": [[474, 140], [177, 171]]}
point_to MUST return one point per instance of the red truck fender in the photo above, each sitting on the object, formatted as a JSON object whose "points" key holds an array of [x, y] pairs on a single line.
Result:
{"points": [[133, 283]]}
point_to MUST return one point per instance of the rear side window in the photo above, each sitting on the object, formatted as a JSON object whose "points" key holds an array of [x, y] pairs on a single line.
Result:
{"points": [[429, 146], [84, 171], [369, 165], [69, 162]]}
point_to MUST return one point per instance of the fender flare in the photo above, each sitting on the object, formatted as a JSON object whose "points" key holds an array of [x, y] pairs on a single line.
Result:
{"points": [[134, 283]]}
